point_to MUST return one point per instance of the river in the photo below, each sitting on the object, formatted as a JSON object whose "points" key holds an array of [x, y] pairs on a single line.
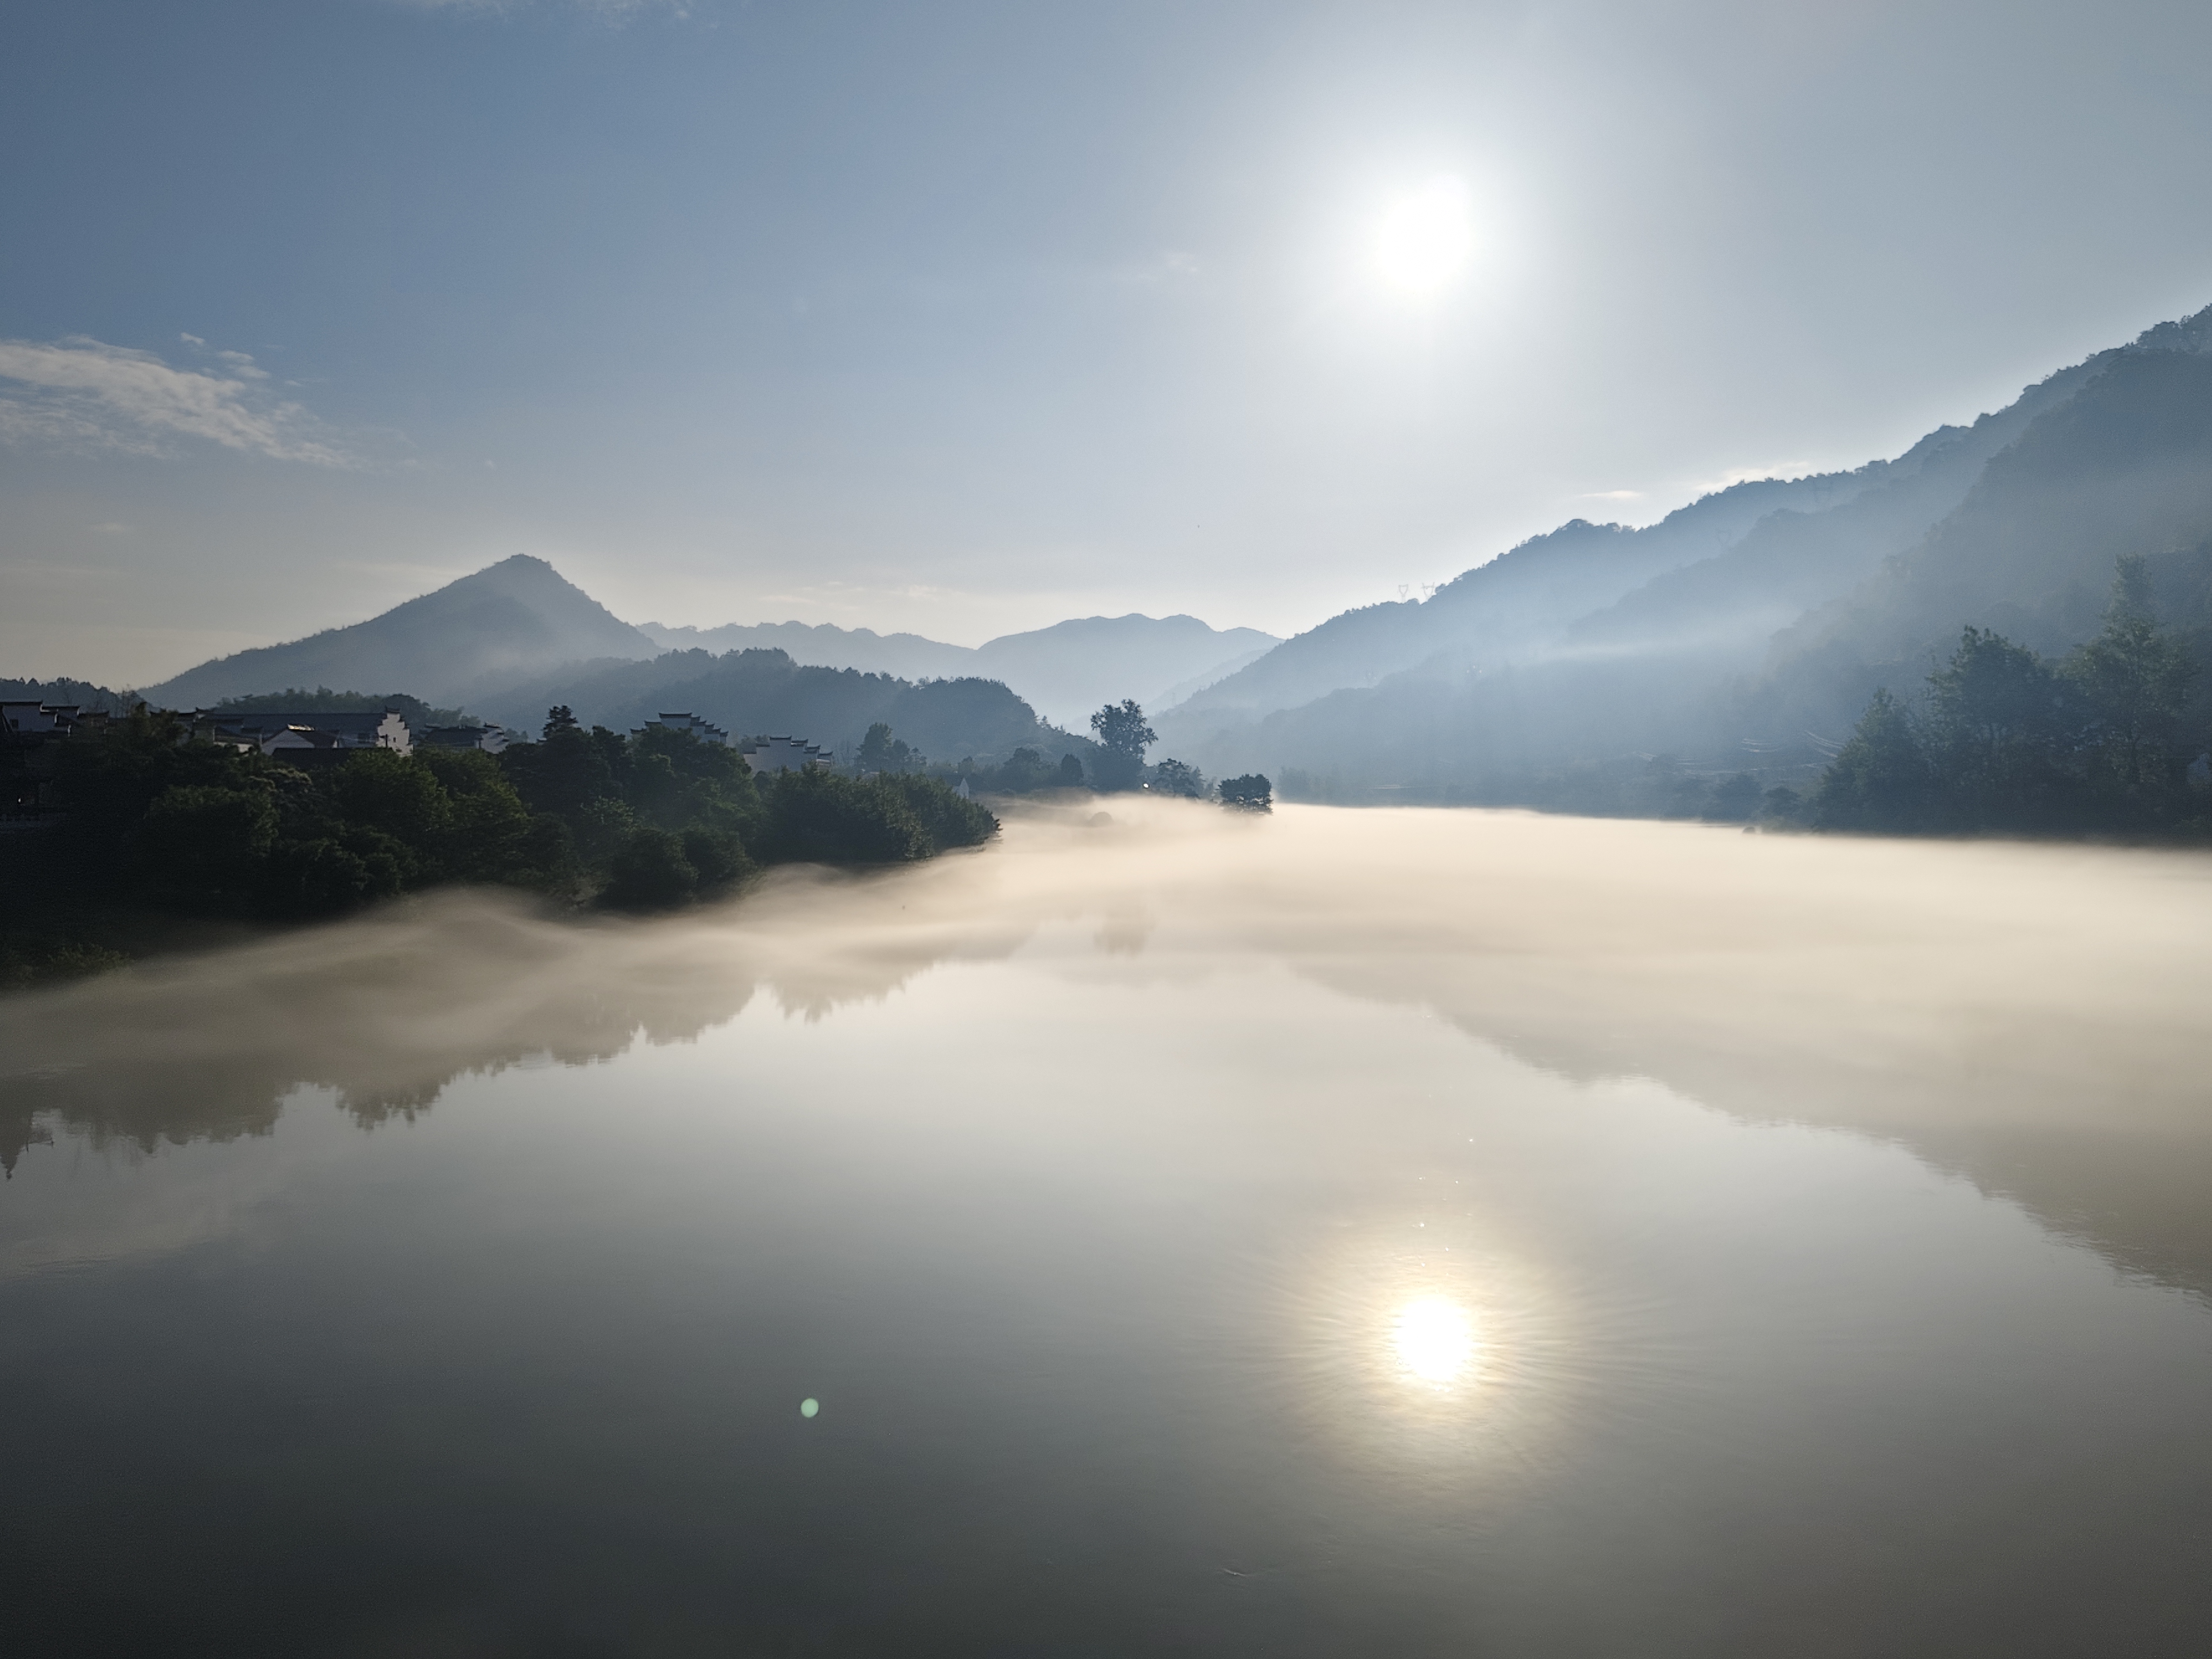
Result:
{"points": [[1161, 1231]]}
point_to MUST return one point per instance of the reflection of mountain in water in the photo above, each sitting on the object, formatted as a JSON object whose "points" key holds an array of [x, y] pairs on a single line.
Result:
{"points": [[2029, 1017]]}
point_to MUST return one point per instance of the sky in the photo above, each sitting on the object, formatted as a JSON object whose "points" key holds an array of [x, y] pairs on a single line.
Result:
{"points": [[965, 317]]}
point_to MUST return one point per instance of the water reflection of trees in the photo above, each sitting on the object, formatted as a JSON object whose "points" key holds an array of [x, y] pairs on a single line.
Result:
{"points": [[2030, 1018], [386, 1012]]}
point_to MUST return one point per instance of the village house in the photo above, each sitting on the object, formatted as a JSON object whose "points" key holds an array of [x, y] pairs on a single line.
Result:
{"points": [[783, 755], [301, 732], [38, 721], [492, 739], [705, 731]]}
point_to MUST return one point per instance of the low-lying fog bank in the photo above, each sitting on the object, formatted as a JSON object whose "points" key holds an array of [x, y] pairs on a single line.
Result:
{"points": [[2032, 1016]]}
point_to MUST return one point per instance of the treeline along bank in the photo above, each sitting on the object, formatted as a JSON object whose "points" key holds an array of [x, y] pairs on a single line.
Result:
{"points": [[155, 821]]}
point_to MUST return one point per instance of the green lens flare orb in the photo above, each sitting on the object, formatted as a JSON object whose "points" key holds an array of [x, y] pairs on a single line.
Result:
{"points": [[808, 1407]]}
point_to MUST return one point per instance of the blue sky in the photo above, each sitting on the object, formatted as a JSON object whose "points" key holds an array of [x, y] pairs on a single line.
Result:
{"points": [[964, 317]]}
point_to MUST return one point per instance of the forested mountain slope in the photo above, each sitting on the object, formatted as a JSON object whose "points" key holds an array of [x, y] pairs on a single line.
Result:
{"points": [[1759, 655], [825, 645], [1515, 604], [749, 693]]}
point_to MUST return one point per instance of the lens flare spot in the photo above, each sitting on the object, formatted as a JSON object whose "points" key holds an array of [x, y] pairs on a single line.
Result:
{"points": [[809, 1407], [1434, 1340]]}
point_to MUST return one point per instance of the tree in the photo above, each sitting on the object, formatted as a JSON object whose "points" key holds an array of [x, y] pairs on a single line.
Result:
{"points": [[203, 844], [1022, 771], [1251, 793], [1071, 773], [648, 870], [1880, 779], [1123, 736], [1172, 777], [560, 718], [1735, 800], [1997, 730], [2135, 680]]}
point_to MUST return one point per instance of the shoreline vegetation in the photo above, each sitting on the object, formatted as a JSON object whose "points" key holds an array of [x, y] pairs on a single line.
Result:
{"points": [[2104, 743], [169, 839]]}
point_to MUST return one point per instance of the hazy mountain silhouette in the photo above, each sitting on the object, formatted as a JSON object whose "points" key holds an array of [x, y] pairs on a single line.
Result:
{"points": [[1515, 603], [909, 656], [516, 618], [1065, 670], [1599, 646], [1069, 669]]}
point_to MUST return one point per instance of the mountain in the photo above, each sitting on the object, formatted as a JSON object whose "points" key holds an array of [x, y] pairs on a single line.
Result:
{"points": [[909, 656], [516, 618], [1760, 650], [1066, 671], [64, 693], [1070, 669], [765, 693], [1515, 603]]}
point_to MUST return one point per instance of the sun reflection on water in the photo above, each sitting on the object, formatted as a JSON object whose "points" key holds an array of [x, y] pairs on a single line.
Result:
{"points": [[1434, 1341]]}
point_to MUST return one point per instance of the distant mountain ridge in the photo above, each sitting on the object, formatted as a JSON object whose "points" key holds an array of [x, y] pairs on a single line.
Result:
{"points": [[520, 622], [1600, 647], [510, 620], [823, 645], [1066, 671]]}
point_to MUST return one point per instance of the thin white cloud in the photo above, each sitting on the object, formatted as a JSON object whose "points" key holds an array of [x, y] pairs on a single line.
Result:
{"points": [[1736, 475], [1168, 265], [82, 393]]}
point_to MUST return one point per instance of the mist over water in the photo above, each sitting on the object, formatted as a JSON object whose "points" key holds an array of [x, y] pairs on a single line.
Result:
{"points": [[1336, 1231]]}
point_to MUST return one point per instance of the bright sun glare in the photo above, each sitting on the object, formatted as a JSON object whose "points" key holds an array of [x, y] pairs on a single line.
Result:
{"points": [[1426, 239], [1434, 1340]]}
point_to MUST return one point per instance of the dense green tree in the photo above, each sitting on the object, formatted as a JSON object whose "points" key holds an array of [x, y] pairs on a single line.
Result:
{"points": [[815, 816], [1997, 725], [1880, 779], [202, 845], [1071, 773], [1173, 777], [946, 819], [649, 870], [2135, 680], [1123, 736], [880, 751], [1250, 792]]}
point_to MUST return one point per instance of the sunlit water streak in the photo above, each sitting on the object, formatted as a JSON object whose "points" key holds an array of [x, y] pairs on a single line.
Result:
{"points": [[1198, 1234]]}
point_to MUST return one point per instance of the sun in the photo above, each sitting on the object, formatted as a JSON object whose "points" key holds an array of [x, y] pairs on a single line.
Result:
{"points": [[1434, 1340], [1425, 240]]}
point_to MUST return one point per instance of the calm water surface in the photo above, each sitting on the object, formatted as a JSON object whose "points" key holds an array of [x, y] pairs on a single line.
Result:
{"points": [[1338, 1234]]}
